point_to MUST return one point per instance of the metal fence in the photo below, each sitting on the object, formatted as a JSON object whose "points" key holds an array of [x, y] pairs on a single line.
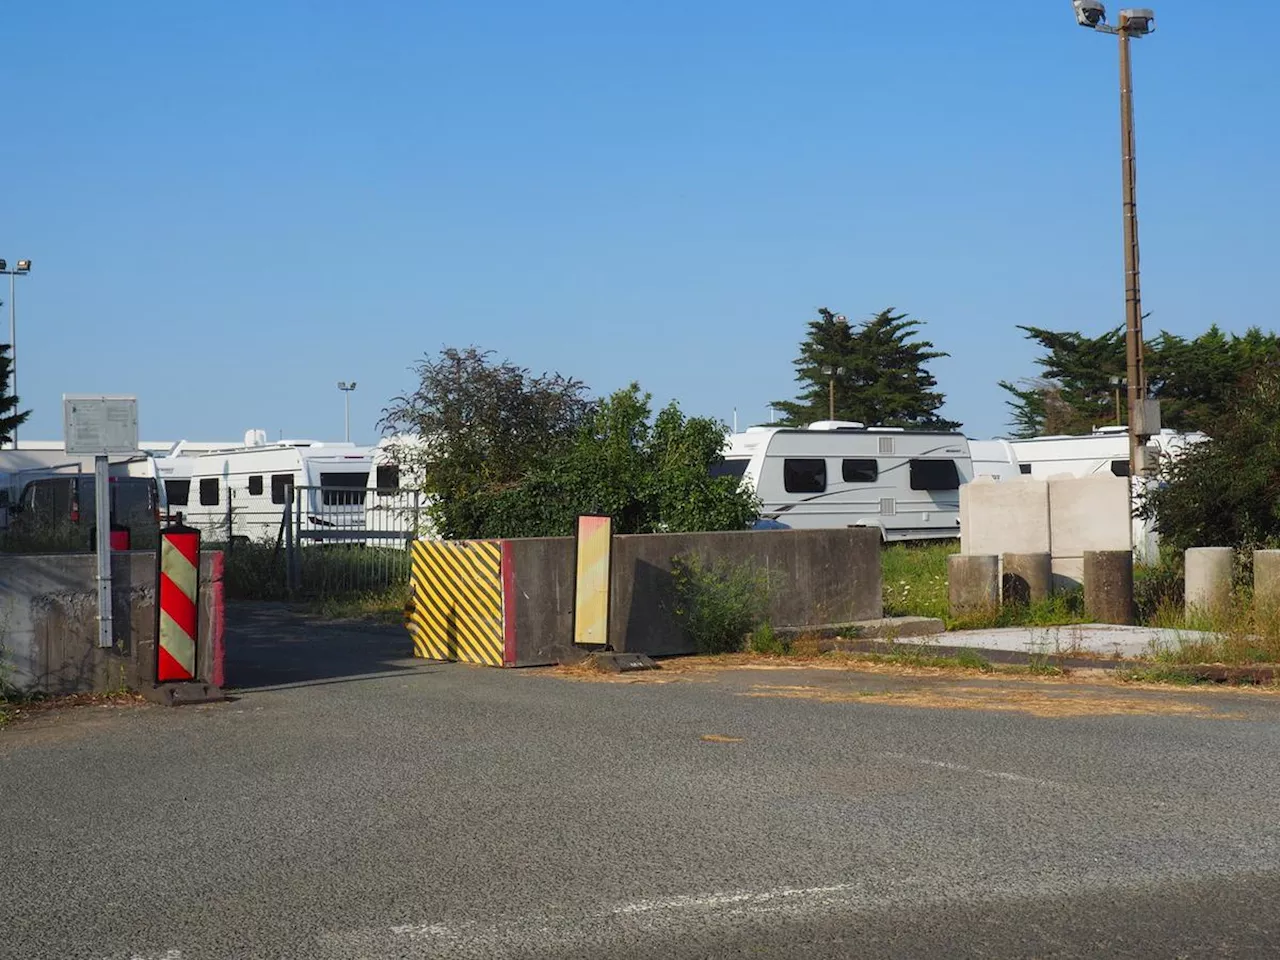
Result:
{"points": [[346, 540], [317, 542]]}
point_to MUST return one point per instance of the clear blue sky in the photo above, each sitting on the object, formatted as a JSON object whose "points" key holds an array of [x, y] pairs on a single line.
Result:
{"points": [[232, 206]]}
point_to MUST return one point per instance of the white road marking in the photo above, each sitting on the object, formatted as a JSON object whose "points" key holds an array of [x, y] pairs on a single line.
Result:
{"points": [[975, 771]]}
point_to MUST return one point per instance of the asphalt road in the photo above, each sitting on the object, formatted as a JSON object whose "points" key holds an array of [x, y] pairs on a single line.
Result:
{"points": [[373, 807]]}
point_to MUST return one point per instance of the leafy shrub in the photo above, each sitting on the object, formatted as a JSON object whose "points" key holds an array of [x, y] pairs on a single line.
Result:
{"points": [[1223, 493], [720, 603], [765, 641]]}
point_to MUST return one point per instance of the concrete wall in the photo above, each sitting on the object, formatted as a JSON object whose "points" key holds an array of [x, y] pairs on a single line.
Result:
{"points": [[1062, 516], [819, 577], [49, 622]]}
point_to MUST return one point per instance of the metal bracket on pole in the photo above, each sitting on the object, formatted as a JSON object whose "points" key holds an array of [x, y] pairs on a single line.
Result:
{"points": [[102, 527]]}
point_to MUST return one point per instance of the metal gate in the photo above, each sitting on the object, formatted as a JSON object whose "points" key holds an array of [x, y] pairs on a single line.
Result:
{"points": [[349, 540]]}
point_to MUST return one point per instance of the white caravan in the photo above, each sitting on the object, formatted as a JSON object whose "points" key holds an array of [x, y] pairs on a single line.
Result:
{"points": [[242, 492], [395, 509], [995, 459], [1106, 450], [905, 483]]}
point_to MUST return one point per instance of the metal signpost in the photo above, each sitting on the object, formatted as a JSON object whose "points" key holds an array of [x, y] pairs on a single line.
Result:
{"points": [[100, 426]]}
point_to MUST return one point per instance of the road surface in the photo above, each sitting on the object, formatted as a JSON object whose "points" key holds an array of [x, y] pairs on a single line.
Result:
{"points": [[354, 804]]}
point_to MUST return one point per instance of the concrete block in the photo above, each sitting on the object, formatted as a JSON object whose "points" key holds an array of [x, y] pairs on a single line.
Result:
{"points": [[973, 584], [1089, 514], [998, 518], [1208, 572], [1108, 586], [1266, 579], [1026, 578], [817, 577]]}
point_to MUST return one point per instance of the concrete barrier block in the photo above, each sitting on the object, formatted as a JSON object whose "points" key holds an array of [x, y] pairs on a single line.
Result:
{"points": [[973, 584], [1208, 578], [1089, 514], [1026, 578], [1108, 586], [998, 518], [1266, 579]]}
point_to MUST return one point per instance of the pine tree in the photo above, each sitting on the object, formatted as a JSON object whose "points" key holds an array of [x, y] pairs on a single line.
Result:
{"points": [[1193, 379], [885, 381], [10, 418]]}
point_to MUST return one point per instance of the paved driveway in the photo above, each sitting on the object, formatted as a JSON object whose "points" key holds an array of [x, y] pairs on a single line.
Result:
{"points": [[351, 803]]}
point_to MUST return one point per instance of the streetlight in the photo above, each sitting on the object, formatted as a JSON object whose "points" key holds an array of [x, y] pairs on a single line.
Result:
{"points": [[1143, 418], [346, 389], [20, 269], [831, 374], [1116, 384]]}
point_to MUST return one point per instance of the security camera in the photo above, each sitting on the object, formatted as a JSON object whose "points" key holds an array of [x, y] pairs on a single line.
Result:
{"points": [[1138, 22], [1090, 13]]}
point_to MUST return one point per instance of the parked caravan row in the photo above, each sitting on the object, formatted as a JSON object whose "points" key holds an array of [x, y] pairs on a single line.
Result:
{"points": [[907, 483], [241, 492]]}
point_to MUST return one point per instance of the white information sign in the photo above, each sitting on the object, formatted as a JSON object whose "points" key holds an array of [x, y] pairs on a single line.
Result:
{"points": [[95, 425]]}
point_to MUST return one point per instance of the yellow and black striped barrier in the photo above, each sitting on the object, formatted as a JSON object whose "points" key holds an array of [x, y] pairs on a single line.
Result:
{"points": [[455, 610]]}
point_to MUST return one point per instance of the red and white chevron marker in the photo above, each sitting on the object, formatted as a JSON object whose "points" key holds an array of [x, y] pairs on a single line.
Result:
{"points": [[179, 604]]}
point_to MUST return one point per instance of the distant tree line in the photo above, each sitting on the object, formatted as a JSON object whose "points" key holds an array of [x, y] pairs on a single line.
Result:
{"points": [[1194, 379]]}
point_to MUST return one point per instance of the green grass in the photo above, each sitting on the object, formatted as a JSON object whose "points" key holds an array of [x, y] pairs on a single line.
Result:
{"points": [[1161, 673], [915, 579], [381, 606]]}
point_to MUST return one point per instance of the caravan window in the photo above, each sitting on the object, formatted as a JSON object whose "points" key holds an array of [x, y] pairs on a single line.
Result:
{"points": [[728, 468], [388, 478], [1024, 468], [1120, 468], [209, 492], [342, 489], [934, 475], [861, 471], [280, 483], [255, 485], [178, 492], [804, 476]]}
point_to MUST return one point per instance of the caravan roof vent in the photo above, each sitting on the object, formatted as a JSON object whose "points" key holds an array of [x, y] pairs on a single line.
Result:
{"points": [[255, 438], [837, 425]]}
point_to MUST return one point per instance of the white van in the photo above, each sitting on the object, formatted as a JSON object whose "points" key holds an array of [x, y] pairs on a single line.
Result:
{"points": [[905, 483], [47, 498], [241, 493]]}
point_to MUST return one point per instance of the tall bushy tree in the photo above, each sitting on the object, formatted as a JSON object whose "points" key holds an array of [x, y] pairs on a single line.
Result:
{"points": [[886, 380], [501, 453], [1193, 379], [1226, 492], [650, 474], [472, 426], [10, 417]]}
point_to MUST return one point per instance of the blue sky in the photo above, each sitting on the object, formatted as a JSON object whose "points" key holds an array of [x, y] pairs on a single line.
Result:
{"points": [[233, 206]]}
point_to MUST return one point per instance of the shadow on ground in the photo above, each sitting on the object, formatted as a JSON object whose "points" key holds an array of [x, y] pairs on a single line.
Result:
{"points": [[271, 644]]}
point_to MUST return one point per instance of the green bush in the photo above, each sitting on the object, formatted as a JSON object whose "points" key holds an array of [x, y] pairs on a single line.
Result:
{"points": [[766, 642], [1223, 493], [720, 603]]}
